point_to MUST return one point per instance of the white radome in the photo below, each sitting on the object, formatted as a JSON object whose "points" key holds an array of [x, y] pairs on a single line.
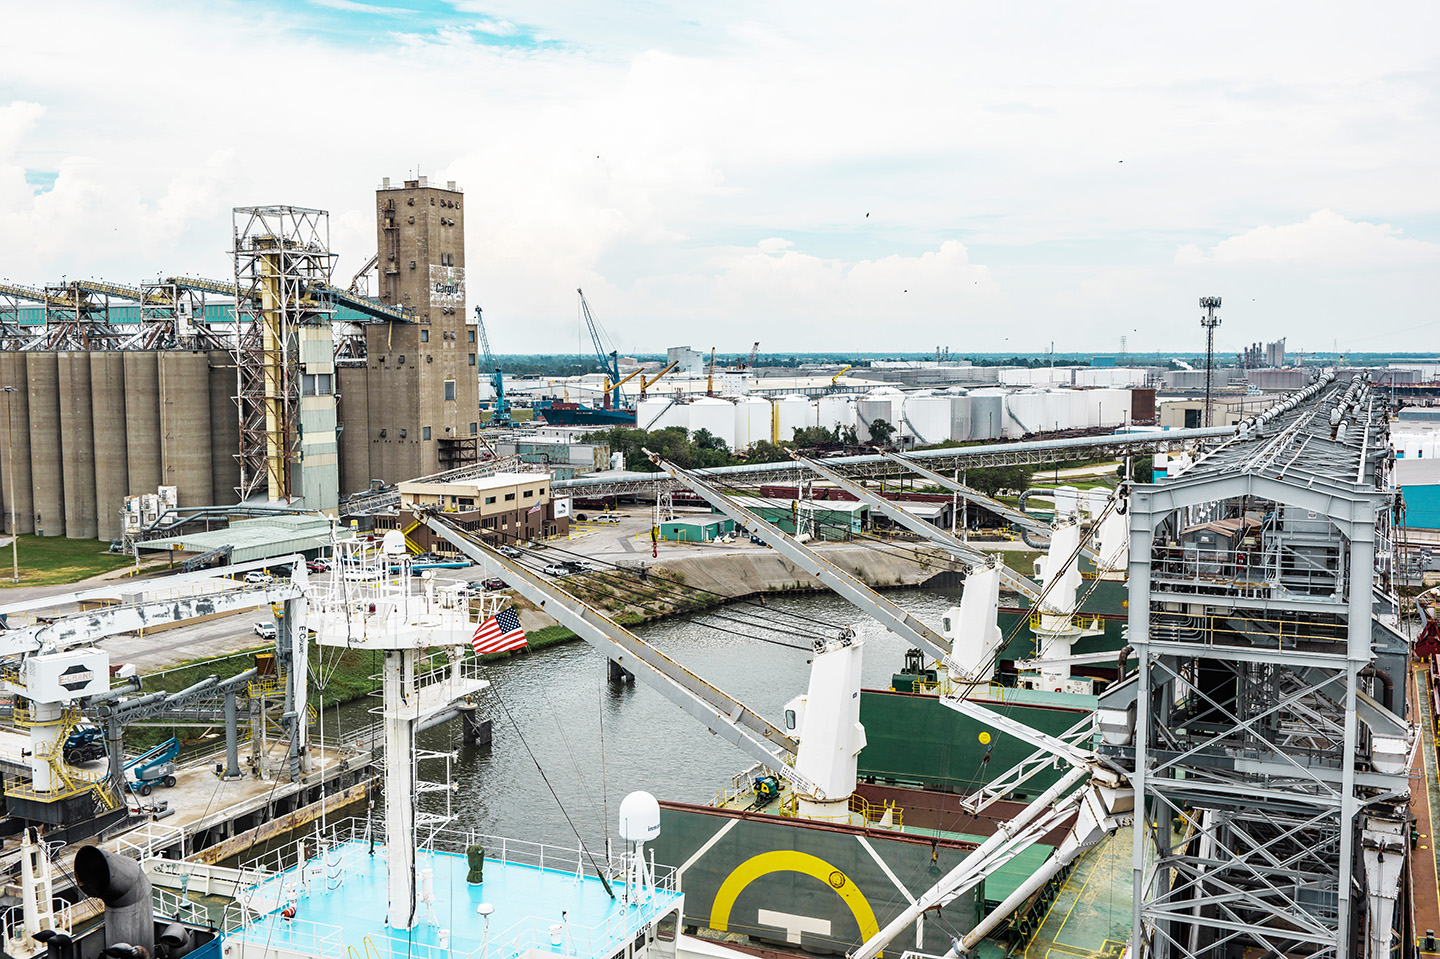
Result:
{"points": [[639, 817]]}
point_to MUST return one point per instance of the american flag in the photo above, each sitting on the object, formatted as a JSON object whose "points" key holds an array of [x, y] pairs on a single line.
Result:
{"points": [[532, 510], [500, 633]]}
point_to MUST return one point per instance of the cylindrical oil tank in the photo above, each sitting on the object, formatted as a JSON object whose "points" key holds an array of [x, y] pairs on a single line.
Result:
{"points": [[752, 421], [112, 472], [716, 416], [1055, 406], [18, 494], [142, 422], [927, 418], [793, 413], [185, 426], [878, 404], [959, 417], [42, 371], [661, 412], [1024, 411], [77, 445], [987, 415], [225, 430], [835, 412], [354, 416]]}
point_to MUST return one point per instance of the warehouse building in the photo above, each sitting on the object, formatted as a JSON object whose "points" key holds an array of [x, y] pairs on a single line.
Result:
{"points": [[504, 508]]}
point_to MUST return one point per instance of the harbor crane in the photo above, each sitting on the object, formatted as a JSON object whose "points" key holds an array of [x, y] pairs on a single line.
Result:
{"points": [[1092, 794], [501, 416], [609, 362]]}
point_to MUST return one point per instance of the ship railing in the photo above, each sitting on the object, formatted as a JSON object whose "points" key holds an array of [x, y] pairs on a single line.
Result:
{"points": [[1084, 622], [150, 840], [172, 905], [65, 913], [279, 936], [742, 784]]}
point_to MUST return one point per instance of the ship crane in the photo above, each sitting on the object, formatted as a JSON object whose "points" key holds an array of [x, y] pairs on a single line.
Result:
{"points": [[501, 416], [60, 668], [847, 586], [609, 362], [1098, 808], [819, 761]]}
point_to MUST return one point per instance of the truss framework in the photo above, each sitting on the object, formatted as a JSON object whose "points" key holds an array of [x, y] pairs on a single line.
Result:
{"points": [[1264, 744], [281, 253]]}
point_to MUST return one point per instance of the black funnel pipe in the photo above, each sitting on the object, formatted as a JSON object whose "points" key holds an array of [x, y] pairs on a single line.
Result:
{"points": [[122, 885]]}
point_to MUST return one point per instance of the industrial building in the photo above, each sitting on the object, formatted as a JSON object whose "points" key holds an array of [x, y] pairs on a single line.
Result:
{"points": [[504, 508], [1268, 728], [412, 407], [273, 387]]}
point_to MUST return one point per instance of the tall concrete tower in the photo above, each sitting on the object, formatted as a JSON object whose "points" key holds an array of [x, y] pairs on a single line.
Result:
{"points": [[423, 387]]}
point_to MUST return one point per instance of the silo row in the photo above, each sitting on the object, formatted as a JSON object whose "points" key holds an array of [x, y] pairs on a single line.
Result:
{"points": [[90, 428]]}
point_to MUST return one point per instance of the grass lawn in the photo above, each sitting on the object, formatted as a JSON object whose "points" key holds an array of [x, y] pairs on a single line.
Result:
{"points": [[52, 560]]}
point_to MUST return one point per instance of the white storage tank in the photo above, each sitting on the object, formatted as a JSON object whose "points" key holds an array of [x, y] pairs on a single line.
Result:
{"points": [[878, 404], [835, 412], [959, 417], [715, 415], [1067, 501], [1082, 413], [1024, 413], [927, 418], [752, 421], [657, 413], [792, 413], [987, 415]]}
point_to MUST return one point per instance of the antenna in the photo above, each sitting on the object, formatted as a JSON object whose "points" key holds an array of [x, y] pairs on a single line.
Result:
{"points": [[1209, 304]]}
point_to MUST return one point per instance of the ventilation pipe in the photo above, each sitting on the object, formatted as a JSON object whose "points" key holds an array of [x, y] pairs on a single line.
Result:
{"points": [[122, 885]]}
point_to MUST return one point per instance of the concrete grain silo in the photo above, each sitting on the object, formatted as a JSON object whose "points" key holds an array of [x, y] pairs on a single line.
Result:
{"points": [[185, 426], [42, 373], [107, 404], [142, 422], [225, 430], [17, 445], [77, 445]]}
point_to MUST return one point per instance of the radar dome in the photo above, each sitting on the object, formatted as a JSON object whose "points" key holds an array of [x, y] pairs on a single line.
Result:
{"points": [[639, 817], [394, 543]]}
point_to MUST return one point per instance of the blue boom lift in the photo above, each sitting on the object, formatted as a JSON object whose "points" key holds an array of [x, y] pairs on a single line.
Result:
{"points": [[154, 767]]}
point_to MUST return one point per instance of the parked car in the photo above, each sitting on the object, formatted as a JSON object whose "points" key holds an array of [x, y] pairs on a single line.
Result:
{"points": [[493, 583], [255, 576], [320, 565], [555, 569], [507, 551], [265, 630]]}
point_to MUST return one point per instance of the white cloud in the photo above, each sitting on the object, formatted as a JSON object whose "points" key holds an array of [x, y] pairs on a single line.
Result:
{"points": [[661, 157], [1325, 240]]}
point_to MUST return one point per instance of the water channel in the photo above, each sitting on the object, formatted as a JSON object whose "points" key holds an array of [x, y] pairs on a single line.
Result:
{"points": [[595, 741]]}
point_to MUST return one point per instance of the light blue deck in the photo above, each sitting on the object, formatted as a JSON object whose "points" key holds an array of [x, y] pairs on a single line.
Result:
{"points": [[527, 900]]}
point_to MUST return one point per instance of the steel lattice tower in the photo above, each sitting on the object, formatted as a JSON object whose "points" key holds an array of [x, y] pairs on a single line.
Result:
{"points": [[1266, 730], [284, 355], [1209, 304]]}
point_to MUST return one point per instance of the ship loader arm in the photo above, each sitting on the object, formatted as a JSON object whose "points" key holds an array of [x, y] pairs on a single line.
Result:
{"points": [[943, 538], [722, 714], [897, 620], [1018, 517], [1102, 806]]}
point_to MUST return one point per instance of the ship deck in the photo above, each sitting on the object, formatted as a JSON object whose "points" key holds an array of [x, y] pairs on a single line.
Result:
{"points": [[340, 908], [1423, 803]]}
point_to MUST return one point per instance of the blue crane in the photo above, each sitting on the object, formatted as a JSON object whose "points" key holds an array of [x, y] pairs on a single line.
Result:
{"points": [[609, 362], [501, 416], [154, 766]]}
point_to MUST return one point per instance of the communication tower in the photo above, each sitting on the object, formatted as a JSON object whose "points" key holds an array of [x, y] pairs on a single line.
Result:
{"points": [[1209, 304]]}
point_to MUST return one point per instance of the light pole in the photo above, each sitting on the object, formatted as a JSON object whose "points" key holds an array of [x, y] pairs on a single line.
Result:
{"points": [[10, 457], [1209, 321]]}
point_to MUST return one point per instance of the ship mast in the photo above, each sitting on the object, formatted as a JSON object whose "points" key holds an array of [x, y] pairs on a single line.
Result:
{"points": [[365, 606]]}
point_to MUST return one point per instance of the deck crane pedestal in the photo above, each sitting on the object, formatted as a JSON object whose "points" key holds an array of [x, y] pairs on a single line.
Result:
{"points": [[501, 416]]}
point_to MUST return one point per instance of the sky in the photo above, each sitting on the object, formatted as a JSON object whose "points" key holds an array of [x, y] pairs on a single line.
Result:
{"points": [[815, 176]]}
